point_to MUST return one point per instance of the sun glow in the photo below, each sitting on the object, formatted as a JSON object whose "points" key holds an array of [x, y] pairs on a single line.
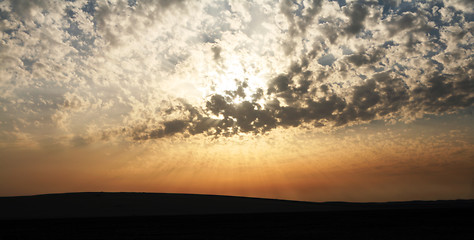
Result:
{"points": [[238, 79]]}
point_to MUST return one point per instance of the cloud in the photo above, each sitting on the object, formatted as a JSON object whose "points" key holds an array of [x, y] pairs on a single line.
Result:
{"points": [[460, 5], [368, 57], [217, 52], [357, 12], [156, 69]]}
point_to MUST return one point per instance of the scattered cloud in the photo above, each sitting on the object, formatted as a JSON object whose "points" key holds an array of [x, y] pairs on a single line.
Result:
{"points": [[154, 69]]}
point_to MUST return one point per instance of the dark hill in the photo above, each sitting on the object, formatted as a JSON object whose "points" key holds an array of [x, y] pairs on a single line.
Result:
{"points": [[87, 205], [186, 216]]}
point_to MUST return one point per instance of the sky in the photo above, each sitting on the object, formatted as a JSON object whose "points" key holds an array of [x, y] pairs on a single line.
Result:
{"points": [[302, 100]]}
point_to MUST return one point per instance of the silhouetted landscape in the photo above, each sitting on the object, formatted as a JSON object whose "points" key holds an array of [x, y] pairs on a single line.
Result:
{"points": [[188, 216]]}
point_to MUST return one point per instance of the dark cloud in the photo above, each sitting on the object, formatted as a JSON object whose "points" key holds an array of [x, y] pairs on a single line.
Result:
{"points": [[363, 58], [309, 15], [444, 93], [217, 104], [217, 52], [299, 17], [400, 23], [302, 17], [393, 93], [331, 31], [25, 8], [280, 84], [357, 12], [381, 96], [286, 8], [174, 126], [203, 125], [169, 128]]}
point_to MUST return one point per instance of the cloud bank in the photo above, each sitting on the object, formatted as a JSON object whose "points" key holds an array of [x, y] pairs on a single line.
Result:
{"points": [[93, 70]]}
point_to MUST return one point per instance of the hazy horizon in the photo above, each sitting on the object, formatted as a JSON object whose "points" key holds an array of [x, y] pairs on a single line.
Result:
{"points": [[301, 100]]}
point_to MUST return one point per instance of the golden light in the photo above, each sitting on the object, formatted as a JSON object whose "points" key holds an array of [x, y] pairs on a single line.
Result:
{"points": [[234, 72]]}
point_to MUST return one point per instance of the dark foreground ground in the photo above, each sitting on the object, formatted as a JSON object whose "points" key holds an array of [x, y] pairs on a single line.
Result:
{"points": [[239, 220], [379, 224]]}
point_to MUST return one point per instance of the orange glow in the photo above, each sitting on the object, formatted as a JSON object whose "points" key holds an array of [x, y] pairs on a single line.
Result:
{"points": [[327, 167]]}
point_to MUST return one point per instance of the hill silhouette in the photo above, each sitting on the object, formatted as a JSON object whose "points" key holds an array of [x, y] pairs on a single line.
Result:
{"points": [[190, 216], [120, 204]]}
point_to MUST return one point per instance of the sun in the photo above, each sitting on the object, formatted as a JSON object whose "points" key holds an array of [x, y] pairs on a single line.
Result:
{"points": [[238, 79], [229, 75]]}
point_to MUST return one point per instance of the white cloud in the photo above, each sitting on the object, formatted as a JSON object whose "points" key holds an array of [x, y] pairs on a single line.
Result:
{"points": [[109, 66]]}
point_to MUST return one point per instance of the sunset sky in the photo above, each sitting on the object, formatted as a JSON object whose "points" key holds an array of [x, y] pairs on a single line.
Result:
{"points": [[303, 100]]}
